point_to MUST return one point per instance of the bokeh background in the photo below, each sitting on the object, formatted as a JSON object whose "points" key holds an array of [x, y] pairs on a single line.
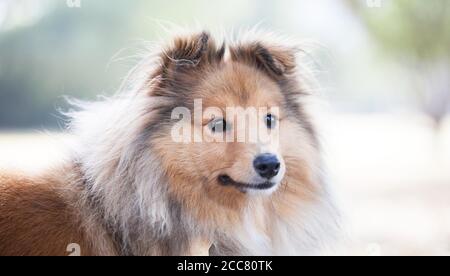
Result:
{"points": [[384, 68]]}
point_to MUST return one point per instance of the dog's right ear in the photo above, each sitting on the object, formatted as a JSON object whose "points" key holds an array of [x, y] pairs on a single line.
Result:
{"points": [[188, 55]]}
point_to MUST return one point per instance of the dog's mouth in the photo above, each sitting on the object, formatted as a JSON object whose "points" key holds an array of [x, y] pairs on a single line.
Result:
{"points": [[226, 180]]}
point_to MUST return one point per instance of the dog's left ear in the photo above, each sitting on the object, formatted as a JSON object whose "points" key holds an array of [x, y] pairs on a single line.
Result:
{"points": [[277, 61]]}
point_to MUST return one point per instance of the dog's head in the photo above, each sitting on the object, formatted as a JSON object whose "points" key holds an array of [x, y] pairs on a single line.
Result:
{"points": [[232, 124]]}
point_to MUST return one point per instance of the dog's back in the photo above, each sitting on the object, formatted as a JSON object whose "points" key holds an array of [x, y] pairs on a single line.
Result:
{"points": [[36, 218]]}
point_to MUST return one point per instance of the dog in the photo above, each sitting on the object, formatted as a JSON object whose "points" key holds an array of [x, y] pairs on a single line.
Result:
{"points": [[131, 187]]}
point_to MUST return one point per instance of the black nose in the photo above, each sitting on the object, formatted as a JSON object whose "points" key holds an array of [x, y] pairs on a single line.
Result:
{"points": [[267, 165]]}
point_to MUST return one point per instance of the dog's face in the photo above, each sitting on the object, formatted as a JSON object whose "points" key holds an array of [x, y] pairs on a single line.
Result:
{"points": [[239, 127], [248, 136]]}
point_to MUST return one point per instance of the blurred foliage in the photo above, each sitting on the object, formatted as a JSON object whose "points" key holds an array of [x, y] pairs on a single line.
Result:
{"points": [[409, 28], [73, 51], [59, 55], [69, 51], [417, 33]]}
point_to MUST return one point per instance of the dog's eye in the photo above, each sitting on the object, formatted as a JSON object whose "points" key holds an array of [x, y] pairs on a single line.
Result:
{"points": [[218, 126], [271, 121]]}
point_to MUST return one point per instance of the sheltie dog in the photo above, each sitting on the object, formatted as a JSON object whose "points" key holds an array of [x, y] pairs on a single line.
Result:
{"points": [[132, 186]]}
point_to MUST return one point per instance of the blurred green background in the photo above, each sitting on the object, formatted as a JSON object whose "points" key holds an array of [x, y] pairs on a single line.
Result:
{"points": [[383, 65], [378, 55]]}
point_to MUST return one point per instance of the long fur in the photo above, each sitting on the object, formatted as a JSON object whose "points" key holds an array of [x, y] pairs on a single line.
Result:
{"points": [[121, 190]]}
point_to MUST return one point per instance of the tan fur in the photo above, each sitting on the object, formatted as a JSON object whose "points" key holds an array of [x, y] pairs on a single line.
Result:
{"points": [[39, 216], [36, 218], [199, 247]]}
